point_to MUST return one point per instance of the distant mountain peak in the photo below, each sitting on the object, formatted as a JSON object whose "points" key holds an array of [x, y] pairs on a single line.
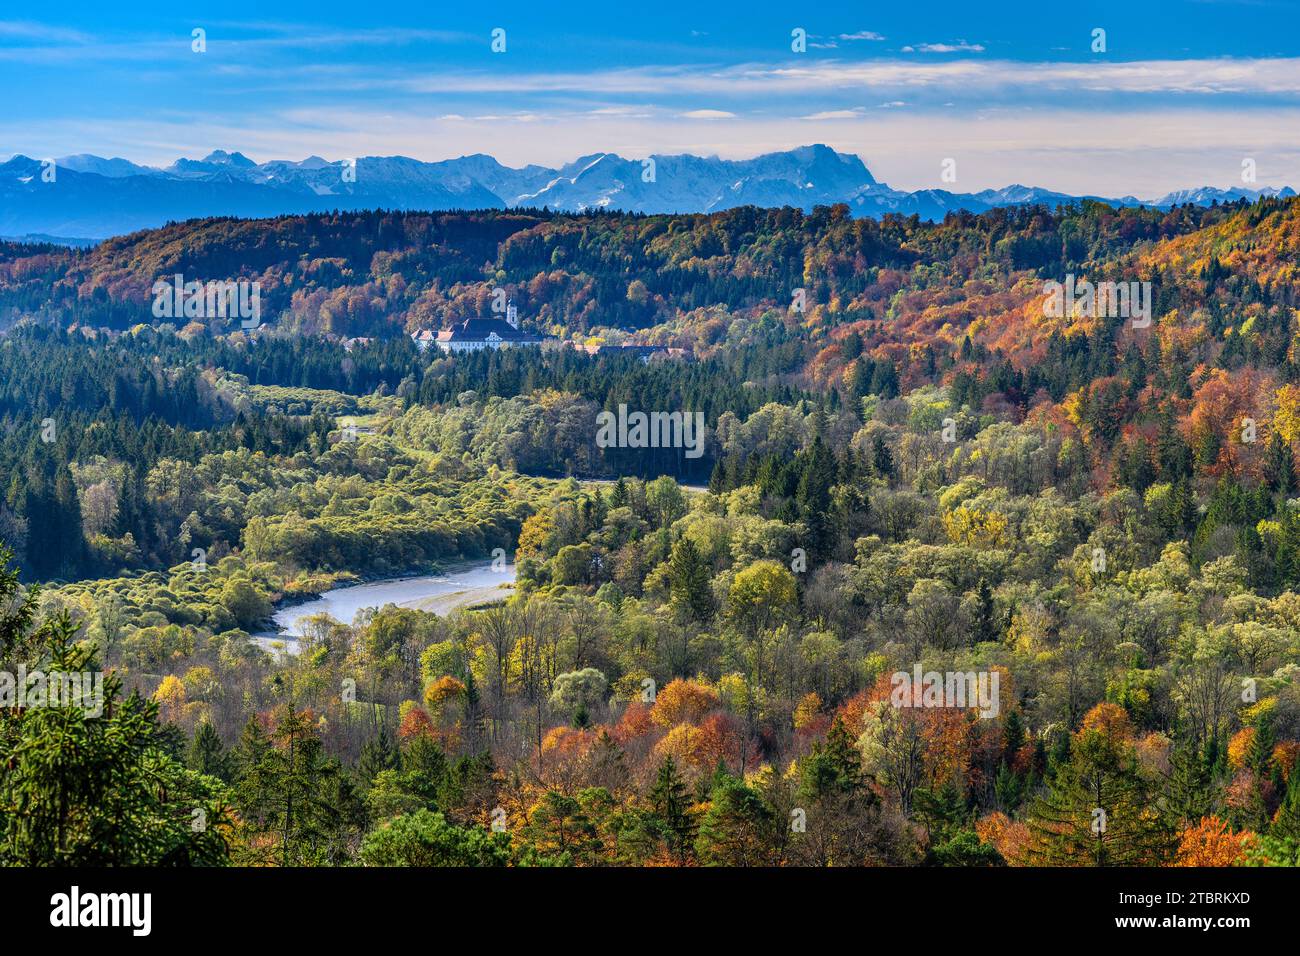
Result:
{"points": [[222, 158], [99, 197]]}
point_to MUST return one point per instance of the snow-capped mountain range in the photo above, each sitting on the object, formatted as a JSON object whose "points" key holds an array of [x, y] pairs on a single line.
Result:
{"points": [[87, 196]]}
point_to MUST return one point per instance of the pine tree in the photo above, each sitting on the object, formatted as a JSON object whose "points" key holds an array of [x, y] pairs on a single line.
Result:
{"points": [[1259, 756], [688, 577], [1262, 767], [619, 497], [738, 829], [1013, 736], [671, 804], [290, 797], [1008, 788], [884, 379], [985, 626], [882, 459], [424, 769], [1190, 794], [18, 636], [833, 765], [718, 478], [1098, 810], [85, 785], [940, 811], [813, 497], [207, 755], [377, 755], [1281, 466], [1286, 824]]}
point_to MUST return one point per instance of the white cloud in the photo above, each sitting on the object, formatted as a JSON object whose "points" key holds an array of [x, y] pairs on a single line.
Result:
{"points": [[855, 113], [959, 47], [862, 35], [1264, 76], [40, 32], [708, 114]]}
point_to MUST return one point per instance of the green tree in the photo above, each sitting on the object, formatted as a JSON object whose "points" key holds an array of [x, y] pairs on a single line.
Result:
{"points": [[296, 803], [738, 829], [688, 577], [965, 849], [207, 755], [559, 826], [672, 806], [86, 784], [377, 755], [1099, 810], [425, 838]]}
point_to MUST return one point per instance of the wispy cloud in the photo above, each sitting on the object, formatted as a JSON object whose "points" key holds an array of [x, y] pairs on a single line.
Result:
{"points": [[855, 113], [40, 32], [1266, 76], [38, 44], [961, 46]]}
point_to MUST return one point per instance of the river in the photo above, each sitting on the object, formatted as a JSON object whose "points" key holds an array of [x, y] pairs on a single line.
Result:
{"points": [[439, 593]]}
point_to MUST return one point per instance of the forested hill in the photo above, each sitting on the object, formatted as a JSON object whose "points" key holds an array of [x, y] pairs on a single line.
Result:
{"points": [[890, 308], [683, 279]]}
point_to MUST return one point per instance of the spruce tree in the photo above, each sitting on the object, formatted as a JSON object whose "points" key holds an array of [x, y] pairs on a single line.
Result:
{"points": [[985, 626], [207, 755], [1189, 792], [84, 783], [1098, 810], [377, 755], [1286, 825], [688, 577], [671, 804], [813, 498]]}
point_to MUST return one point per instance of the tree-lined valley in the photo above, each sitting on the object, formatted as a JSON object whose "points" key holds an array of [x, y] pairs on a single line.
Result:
{"points": [[908, 465]]}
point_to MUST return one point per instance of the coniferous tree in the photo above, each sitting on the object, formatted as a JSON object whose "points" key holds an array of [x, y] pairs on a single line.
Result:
{"points": [[86, 785], [813, 497], [1286, 824], [207, 755], [1281, 466], [377, 755], [738, 829], [671, 804], [985, 626], [688, 576], [882, 459], [1190, 794], [1099, 811], [1262, 767]]}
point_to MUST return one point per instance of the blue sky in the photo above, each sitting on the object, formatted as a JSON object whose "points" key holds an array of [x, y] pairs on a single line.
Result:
{"points": [[1184, 91]]}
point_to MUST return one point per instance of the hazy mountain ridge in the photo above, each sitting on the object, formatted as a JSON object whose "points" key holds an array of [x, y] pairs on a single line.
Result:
{"points": [[96, 197]]}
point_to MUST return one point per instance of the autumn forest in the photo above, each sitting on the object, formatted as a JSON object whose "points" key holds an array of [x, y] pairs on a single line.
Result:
{"points": [[909, 467]]}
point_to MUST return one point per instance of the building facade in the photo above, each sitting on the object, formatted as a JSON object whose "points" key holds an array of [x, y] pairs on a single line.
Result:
{"points": [[473, 335]]}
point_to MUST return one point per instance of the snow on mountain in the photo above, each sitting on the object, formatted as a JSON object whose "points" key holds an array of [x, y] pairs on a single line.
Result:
{"points": [[112, 168], [96, 197]]}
